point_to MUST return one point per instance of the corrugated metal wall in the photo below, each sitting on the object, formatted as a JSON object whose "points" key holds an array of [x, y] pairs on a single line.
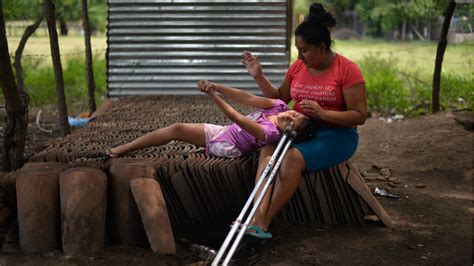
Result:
{"points": [[164, 47]]}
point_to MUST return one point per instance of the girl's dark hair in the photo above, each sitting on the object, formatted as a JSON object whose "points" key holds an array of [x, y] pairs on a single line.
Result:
{"points": [[315, 28], [307, 132]]}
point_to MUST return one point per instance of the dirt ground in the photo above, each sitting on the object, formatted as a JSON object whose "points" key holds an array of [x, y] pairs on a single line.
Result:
{"points": [[430, 169]]}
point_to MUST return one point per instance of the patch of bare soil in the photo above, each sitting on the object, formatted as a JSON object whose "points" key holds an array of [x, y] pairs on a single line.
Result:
{"points": [[426, 162]]}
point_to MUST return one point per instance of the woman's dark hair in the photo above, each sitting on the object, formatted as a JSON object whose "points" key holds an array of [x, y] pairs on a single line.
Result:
{"points": [[315, 28]]}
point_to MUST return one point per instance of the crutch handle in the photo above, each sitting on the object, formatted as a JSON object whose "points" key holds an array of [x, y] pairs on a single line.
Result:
{"points": [[288, 129], [290, 132]]}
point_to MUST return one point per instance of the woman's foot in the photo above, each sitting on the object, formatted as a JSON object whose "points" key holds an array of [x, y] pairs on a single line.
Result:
{"points": [[258, 232]]}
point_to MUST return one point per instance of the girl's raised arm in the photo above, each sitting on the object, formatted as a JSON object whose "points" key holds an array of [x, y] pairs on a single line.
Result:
{"points": [[243, 121], [244, 97]]}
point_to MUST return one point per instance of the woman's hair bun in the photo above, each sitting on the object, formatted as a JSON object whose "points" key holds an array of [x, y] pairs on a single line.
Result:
{"points": [[319, 15]]}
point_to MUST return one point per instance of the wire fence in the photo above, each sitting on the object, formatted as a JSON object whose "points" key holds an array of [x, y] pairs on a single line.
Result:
{"points": [[16, 28], [95, 52]]}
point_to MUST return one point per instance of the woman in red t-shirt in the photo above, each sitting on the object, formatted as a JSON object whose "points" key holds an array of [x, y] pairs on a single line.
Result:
{"points": [[325, 86]]}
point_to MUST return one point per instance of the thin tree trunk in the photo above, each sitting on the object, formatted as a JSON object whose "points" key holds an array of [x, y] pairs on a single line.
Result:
{"points": [[58, 69], [443, 42], [429, 29], [19, 52], [404, 30], [89, 67], [17, 123], [63, 30]]}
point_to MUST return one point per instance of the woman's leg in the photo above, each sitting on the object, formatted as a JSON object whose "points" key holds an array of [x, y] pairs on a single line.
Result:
{"points": [[285, 186], [265, 155], [187, 132]]}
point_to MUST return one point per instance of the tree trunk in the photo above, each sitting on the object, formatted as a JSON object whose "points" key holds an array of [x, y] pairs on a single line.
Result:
{"points": [[17, 123], [443, 42], [58, 69], [429, 30], [19, 52], [63, 30], [89, 67], [404, 30]]}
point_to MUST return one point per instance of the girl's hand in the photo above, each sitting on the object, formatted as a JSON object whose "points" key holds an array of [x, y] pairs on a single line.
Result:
{"points": [[312, 108], [206, 87], [252, 64]]}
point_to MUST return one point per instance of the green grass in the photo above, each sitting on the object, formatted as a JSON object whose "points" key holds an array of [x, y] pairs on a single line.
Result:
{"points": [[416, 56], [412, 57], [69, 46], [39, 75], [40, 84]]}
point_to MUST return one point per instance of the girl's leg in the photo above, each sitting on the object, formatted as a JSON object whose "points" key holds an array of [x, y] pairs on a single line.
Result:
{"points": [[187, 132], [285, 186]]}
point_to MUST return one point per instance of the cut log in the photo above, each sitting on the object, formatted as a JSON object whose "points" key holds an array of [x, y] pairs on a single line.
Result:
{"points": [[152, 207]]}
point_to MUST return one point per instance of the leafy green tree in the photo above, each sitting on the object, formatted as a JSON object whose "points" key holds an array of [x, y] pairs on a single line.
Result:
{"points": [[383, 15], [22, 9], [337, 7], [98, 15], [66, 10]]}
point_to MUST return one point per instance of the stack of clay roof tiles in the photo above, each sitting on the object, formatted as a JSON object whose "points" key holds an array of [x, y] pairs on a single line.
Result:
{"points": [[200, 189]]}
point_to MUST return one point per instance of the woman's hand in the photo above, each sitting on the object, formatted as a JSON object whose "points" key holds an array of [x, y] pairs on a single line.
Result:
{"points": [[206, 87], [312, 108], [252, 64]]}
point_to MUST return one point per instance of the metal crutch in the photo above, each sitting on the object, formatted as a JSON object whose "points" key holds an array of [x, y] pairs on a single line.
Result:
{"points": [[285, 142]]}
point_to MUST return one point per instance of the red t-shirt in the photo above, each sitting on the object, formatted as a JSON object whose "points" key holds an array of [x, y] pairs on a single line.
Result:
{"points": [[325, 89]]}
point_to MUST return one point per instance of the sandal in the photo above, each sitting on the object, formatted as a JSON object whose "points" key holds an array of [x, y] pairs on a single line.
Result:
{"points": [[257, 232]]}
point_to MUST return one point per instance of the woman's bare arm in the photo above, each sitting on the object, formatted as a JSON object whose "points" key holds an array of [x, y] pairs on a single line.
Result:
{"points": [[253, 66], [356, 102]]}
